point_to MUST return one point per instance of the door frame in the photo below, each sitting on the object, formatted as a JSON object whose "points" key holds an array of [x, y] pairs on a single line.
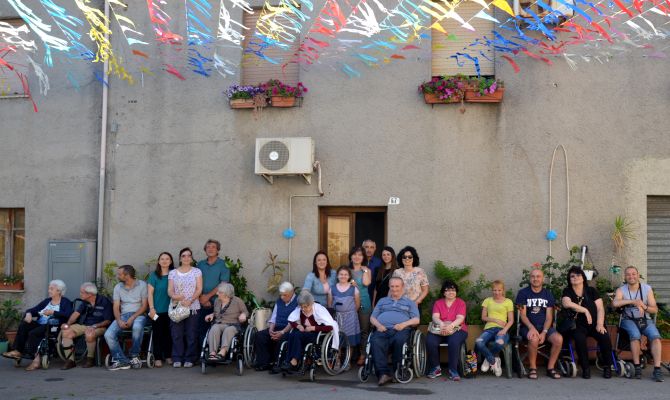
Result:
{"points": [[347, 211]]}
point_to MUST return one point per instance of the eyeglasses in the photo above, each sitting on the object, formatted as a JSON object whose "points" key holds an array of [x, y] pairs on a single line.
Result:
{"points": [[407, 257], [449, 290], [575, 276]]}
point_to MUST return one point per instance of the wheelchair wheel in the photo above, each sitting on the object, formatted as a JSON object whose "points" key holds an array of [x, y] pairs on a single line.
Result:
{"points": [[79, 348], [629, 370], [240, 366], [17, 362], [419, 353], [507, 355], [335, 360], [573, 369], [621, 368], [151, 360], [312, 376], [462, 354], [404, 375], [44, 361], [249, 351], [203, 367], [643, 361], [363, 374], [108, 360], [598, 363]]}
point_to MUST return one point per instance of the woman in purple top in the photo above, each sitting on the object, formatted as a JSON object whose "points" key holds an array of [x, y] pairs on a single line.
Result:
{"points": [[185, 286], [449, 314]]}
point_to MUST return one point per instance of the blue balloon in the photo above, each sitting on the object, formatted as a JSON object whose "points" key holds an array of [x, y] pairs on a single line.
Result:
{"points": [[288, 233], [552, 235]]}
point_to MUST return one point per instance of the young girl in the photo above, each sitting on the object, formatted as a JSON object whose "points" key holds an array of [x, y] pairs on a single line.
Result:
{"points": [[498, 313], [345, 298]]}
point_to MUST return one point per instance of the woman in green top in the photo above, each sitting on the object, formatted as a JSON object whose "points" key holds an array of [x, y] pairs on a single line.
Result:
{"points": [[362, 277], [159, 301]]}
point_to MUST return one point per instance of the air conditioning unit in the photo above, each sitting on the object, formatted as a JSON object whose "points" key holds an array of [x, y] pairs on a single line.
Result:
{"points": [[285, 156]]}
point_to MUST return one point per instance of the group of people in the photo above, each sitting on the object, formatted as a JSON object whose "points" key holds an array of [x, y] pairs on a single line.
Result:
{"points": [[370, 295]]}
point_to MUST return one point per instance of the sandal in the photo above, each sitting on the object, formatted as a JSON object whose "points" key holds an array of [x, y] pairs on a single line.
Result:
{"points": [[553, 374], [213, 357], [532, 373]]}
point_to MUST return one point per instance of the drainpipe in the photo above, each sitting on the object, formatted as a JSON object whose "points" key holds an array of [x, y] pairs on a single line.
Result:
{"points": [[317, 167], [103, 158]]}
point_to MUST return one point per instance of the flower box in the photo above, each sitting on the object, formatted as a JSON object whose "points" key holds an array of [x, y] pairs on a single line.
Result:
{"points": [[473, 96], [11, 286], [433, 98], [282, 101], [242, 103]]}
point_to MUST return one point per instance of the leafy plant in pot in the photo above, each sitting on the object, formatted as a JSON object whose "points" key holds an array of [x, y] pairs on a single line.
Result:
{"points": [[10, 316], [484, 90], [246, 97], [444, 89], [11, 282], [281, 94]]}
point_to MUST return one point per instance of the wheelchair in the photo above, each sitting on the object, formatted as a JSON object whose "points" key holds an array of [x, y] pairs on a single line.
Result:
{"points": [[146, 355], [79, 343], [237, 352], [622, 348], [412, 363], [259, 318], [321, 352], [47, 347]]}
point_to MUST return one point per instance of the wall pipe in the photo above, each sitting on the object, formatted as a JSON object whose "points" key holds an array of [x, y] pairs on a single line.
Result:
{"points": [[103, 158], [317, 167]]}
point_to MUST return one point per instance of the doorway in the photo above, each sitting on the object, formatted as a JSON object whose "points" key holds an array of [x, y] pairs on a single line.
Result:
{"points": [[341, 228]]}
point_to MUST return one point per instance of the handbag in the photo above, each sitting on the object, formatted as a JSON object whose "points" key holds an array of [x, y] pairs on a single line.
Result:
{"points": [[569, 322], [436, 329], [178, 312]]}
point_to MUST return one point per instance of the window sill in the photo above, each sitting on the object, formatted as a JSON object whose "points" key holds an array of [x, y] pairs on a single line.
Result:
{"points": [[12, 290], [14, 96]]}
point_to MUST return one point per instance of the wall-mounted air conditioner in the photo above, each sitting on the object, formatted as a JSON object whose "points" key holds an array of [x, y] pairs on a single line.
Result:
{"points": [[285, 156]]}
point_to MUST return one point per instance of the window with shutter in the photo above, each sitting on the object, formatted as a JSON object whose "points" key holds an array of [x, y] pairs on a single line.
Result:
{"points": [[457, 39], [255, 69]]}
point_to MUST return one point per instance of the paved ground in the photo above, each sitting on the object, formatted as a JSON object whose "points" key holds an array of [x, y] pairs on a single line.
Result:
{"points": [[222, 383]]}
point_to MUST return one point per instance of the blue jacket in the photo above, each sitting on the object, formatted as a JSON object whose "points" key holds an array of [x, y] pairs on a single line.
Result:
{"points": [[62, 315]]}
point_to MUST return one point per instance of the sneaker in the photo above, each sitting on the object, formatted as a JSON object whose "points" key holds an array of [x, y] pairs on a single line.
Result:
{"points": [[188, 364], [117, 365], [497, 367], [485, 366], [434, 373], [657, 375], [135, 363], [454, 376], [176, 364]]}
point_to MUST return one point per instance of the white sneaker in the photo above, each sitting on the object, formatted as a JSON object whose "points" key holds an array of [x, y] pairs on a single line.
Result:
{"points": [[176, 364], [485, 365], [497, 368], [188, 364]]}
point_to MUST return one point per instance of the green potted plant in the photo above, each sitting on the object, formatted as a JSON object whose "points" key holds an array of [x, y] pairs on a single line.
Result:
{"points": [[239, 282], [277, 268], [246, 96], [281, 94], [10, 316], [484, 90], [11, 282], [663, 325], [444, 89]]}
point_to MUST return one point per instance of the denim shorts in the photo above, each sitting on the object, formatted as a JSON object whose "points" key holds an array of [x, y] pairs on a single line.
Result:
{"points": [[651, 332]]}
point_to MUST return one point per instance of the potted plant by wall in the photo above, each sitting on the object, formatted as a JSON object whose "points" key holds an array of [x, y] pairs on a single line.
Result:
{"points": [[246, 96], [484, 90], [444, 89], [281, 94], [663, 325], [10, 316], [11, 282]]}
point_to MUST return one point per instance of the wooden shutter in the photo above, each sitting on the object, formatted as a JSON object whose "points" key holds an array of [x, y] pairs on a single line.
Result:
{"points": [[256, 70], [457, 40], [10, 83], [658, 246]]}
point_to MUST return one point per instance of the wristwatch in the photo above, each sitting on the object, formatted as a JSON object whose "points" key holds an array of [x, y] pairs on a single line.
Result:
{"points": [[545, 330]]}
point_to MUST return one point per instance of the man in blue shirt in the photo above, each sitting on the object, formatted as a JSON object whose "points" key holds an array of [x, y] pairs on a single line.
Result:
{"points": [[214, 271], [536, 305], [374, 263], [392, 317]]}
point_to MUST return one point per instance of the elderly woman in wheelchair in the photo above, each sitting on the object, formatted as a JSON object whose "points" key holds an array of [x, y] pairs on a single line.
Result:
{"points": [[229, 312], [309, 322], [37, 324]]}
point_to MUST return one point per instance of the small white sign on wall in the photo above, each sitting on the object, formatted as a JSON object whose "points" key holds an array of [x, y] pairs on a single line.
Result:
{"points": [[394, 201]]}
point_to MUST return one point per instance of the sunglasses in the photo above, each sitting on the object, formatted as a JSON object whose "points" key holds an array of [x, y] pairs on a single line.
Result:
{"points": [[407, 257], [186, 255]]}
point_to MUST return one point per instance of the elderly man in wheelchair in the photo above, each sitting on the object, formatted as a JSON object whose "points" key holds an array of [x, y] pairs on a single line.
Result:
{"points": [[392, 318]]}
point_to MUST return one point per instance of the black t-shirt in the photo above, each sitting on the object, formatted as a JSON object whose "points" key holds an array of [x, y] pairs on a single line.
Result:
{"points": [[587, 300], [95, 314]]}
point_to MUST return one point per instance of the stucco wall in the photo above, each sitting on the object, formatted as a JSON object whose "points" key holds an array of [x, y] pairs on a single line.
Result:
{"points": [[473, 186]]}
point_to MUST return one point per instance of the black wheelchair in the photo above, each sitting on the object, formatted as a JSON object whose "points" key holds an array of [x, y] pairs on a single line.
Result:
{"points": [[146, 355], [412, 363], [79, 343], [237, 353], [47, 347], [321, 352]]}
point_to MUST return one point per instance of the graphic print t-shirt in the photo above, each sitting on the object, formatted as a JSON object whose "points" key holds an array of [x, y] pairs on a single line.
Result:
{"points": [[536, 304]]}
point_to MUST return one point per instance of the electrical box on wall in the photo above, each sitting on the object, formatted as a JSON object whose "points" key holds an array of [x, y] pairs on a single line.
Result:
{"points": [[73, 262], [285, 156]]}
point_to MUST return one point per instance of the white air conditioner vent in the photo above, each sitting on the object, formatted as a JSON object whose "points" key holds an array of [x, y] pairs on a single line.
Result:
{"points": [[285, 156]]}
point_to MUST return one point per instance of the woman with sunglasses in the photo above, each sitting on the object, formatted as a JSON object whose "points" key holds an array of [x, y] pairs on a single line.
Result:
{"points": [[583, 303], [415, 278]]}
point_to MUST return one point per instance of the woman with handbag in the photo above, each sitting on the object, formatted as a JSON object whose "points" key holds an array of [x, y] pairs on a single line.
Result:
{"points": [[448, 326], [184, 288], [159, 302], [588, 313], [498, 313]]}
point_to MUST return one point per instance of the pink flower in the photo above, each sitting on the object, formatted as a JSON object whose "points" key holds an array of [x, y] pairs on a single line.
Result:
{"points": [[537, 265]]}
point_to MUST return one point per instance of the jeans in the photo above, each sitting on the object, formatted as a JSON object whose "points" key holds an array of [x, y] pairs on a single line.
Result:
{"points": [[454, 342], [490, 335], [112, 337], [651, 332], [185, 339], [380, 346]]}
